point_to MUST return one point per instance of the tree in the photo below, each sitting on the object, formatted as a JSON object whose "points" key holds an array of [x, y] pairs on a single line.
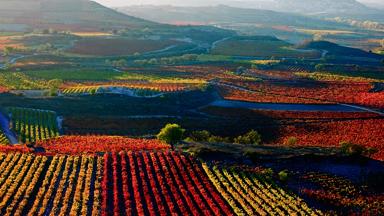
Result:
{"points": [[54, 86], [291, 141], [171, 134], [119, 63], [283, 176], [320, 67], [250, 138], [8, 50]]}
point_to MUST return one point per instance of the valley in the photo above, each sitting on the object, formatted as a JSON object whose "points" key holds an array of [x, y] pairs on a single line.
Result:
{"points": [[178, 110]]}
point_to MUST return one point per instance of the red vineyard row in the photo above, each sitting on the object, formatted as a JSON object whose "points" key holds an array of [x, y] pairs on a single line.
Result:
{"points": [[95, 144], [158, 183], [364, 132]]}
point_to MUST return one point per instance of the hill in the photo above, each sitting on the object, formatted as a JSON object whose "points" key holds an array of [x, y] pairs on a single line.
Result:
{"points": [[322, 7], [63, 15], [337, 50], [220, 14]]}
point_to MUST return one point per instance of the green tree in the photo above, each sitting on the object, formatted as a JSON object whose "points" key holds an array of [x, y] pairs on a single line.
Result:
{"points": [[320, 67], [8, 50], [54, 86], [171, 134], [283, 176]]}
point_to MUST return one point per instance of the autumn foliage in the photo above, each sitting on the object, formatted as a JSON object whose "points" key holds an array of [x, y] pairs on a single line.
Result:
{"points": [[95, 144]]}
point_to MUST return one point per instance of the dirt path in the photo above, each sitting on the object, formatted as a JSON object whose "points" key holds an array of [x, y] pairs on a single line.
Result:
{"points": [[4, 125]]}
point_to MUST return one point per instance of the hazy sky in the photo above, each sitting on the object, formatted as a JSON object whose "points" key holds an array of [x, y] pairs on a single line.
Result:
{"points": [[113, 3]]}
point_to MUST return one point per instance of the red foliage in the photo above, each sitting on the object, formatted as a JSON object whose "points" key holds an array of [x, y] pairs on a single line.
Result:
{"points": [[261, 97], [324, 92], [95, 144], [367, 132], [159, 183], [315, 115], [3, 89], [18, 148]]}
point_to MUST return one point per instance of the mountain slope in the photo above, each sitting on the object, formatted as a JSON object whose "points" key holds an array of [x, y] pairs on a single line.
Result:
{"points": [[65, 14]]}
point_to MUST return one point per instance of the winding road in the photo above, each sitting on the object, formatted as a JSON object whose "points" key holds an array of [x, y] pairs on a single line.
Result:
{"points": [[12, 60]]}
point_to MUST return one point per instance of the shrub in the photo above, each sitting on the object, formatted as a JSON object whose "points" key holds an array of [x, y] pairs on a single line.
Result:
{"points": [[352, 149], [250, 138], [291, 141], [283, 176], [199, 136], [171, 134], [219, 139]]}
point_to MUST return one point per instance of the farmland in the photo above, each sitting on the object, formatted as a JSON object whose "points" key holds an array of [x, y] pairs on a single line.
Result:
{"points": [[27, 175], [256, 112], [117, 47], [32, 125], [3, 139], [94, 144], [261, 47]]}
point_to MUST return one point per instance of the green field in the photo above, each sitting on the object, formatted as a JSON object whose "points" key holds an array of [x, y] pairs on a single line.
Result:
{"points": [[260, 47]]}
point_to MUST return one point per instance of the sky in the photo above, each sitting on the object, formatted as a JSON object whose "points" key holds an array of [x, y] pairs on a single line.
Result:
{"points": [[115, 3]]}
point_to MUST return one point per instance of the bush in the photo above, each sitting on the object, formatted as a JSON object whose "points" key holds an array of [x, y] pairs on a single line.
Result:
{"points": [[199, 136], [283, 176], [291, 141], [250, 138], [219, 139], [171, 134], [352, 149]]}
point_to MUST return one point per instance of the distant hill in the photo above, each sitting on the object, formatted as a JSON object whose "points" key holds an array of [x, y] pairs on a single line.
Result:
{"points": [[221, 14], [324, 8], [64, 14], [337, 50]]}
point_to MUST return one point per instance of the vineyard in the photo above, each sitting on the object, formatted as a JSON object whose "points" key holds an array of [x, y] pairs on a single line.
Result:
{"points": [[60, 185], [169, 184], [96, 144], [32, 125], [3, 139], [116, 47], [19, 81], [342, 194], [250, 194], [323, 92], [134, 89], [368, 132]]}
